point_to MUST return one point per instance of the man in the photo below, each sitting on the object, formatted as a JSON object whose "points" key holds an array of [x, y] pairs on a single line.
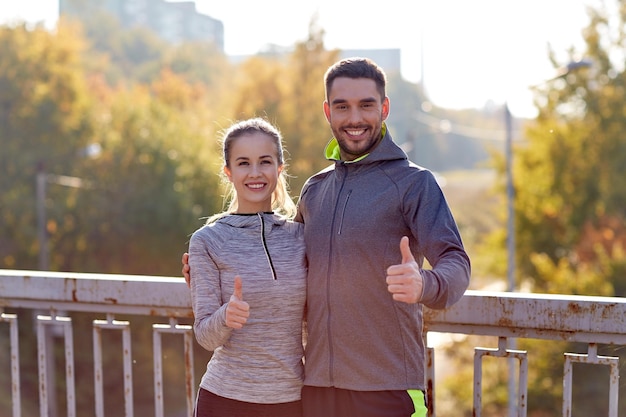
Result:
{"points": [[370, 220]]}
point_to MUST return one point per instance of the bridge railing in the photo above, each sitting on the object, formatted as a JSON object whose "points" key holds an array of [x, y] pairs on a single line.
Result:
{"points": [[44, 303]]}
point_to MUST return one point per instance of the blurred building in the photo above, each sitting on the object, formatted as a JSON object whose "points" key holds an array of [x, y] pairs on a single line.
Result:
{"points": [[388, 59], [175, 22], [179, 21]]}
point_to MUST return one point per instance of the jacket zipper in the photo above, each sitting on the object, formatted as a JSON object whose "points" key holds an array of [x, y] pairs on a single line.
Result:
{"points": [[343, 212], [265, 248], [331, 354]]}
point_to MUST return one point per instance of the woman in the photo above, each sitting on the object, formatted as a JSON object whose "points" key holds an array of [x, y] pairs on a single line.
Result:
{"points": [[248, 284]]}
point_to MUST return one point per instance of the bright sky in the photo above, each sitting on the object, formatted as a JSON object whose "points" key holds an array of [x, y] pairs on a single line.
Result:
{"points": [[471, 52]]}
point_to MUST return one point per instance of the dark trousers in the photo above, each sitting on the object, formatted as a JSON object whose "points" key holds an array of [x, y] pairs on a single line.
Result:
{"points": [[335, 402], [211, 405]]}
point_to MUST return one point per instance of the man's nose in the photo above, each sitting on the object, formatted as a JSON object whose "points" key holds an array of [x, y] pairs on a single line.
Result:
{"points": [[354, 116]]}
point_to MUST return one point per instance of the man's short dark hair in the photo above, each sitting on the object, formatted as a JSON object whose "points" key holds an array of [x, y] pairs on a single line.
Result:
{"points": [[356, 67]]}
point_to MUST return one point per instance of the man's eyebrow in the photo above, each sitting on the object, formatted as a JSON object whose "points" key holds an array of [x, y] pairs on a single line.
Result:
{"points": [[363, 100]]}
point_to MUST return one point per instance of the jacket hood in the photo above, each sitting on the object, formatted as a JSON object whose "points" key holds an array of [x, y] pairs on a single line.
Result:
{"points": [[385, 150], [251, 221]]}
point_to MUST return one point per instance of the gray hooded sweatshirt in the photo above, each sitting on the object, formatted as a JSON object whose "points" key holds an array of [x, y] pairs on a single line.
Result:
{"points": [[354, 215], [262, 362]]}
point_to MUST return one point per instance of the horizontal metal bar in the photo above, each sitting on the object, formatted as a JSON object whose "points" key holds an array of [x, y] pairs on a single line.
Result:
{"points": [[131, 294], [543, 316], [490, 313]]}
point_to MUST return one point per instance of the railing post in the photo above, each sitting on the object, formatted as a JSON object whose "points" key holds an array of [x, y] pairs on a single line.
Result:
{"points": [[15, 362], [590, 358], [173, 328], [501, 352], [124, 327], [430, 381], [45, 343]]}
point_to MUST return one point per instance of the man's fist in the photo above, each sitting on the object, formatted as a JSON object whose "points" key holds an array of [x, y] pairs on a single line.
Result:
{"points": [[405, 281]]}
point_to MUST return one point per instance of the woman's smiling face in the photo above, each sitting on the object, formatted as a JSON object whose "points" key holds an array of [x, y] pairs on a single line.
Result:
{"points": [[253, 169]]}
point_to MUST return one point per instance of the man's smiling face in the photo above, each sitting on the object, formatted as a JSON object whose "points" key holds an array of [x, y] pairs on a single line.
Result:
{"points": [[355, 111]]}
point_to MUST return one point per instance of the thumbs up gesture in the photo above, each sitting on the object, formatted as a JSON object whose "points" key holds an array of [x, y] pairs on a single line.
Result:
{"points": [[405, 281], [237, 310]]}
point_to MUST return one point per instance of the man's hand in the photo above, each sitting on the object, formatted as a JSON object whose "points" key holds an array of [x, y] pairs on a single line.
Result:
{"points": [[405, 281], [237, 310], [186, 269]]}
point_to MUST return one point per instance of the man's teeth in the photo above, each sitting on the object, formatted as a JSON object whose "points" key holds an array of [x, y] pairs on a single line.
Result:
{"points": [[355, 132]]}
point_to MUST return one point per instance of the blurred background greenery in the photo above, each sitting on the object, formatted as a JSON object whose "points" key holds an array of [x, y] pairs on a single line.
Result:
{"points": [[155, 111]]}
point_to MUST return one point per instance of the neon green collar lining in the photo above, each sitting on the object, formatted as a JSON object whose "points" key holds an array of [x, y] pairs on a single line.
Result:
{"points": [[332, 149]]}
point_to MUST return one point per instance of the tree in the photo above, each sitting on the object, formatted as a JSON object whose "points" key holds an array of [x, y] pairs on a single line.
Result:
{"points": [[570, 192], [140, 192], [44, 122], [570, 178], [302, 120], [289, 91], [258, 89], [156, 178]]}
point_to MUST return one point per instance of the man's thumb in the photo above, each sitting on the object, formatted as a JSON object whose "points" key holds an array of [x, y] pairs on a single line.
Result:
{"points": [[238, 288], [405, 250]]}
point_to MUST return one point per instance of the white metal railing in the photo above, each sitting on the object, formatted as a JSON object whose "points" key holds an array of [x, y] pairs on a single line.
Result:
{"points": [[591, 320], [508, 316], [53, 296]]}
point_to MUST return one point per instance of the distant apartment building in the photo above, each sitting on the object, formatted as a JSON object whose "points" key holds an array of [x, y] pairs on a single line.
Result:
{"points": [[175, 22]]}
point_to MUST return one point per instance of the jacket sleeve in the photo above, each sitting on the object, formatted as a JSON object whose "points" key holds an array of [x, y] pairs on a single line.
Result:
{"points": [[301, 205], [206, 297], [439, 241]]}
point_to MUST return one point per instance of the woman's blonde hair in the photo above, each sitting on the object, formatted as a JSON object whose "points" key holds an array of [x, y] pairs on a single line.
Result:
{"points": [[282, 202]]}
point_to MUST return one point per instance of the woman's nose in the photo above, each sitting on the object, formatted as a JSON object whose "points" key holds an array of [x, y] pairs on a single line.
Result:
{"points": [[255, 170]]}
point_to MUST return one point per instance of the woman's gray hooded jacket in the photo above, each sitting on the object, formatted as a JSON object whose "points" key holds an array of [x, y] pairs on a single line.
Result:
{"points": [[262, 362]]}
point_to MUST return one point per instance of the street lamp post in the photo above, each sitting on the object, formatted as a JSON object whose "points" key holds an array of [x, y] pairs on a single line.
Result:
{"points": [[42, 232], [562, 72], [510, 199], [510, 189], [510, 245], [42, 180]]}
